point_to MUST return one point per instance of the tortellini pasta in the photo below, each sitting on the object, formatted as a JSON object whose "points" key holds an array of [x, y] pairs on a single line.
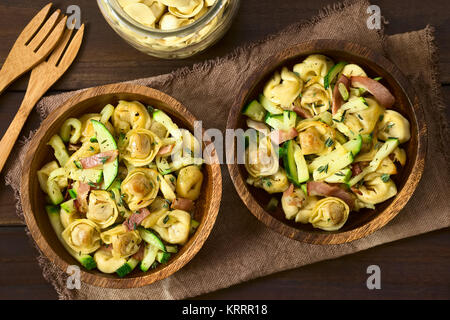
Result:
{"points": [[130, 115], [102, 209], [329, 214], [110, 202], [82, 236], [124, 242], [283, 89], [325, 141], [175, 228], [140, 147], [393, 124], [140, 187]]}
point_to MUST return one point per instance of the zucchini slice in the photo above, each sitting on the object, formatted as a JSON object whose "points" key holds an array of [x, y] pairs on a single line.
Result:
{"points": [[255, 111], [149, 257], [331, 75], [151, 239], [295, 164], [284, 121], [127, 267], [269, 106]]}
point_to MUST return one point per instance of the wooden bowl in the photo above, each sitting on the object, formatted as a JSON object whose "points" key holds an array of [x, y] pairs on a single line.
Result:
{"points": [[359, 224], [33, 202]]}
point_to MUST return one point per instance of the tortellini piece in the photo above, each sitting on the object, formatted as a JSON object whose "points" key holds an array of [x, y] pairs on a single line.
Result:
{"points": [[175, 228], [140, 147], [124, 242], [283, 89], [353, 70], [312, 136], [170, 22], [394, 125], [374, 190], [315, 99], [292, 203], [187, 11], [87, 149], [314, 65], [106, 262], [189, 182], [130, 115], [158, 208], [365, 121], [82, 236], [102, 209], [140, 188], [68, 217], [45, 172], [306, 211], [329, 214], [275, 183], [261, 160]]}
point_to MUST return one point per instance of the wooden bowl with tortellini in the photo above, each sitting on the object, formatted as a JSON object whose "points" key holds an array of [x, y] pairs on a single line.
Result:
{"points": [[335, 142], [115, 182]]}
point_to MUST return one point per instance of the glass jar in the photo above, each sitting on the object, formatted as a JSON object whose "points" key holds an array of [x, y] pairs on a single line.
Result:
{"points": [[177, 43]]}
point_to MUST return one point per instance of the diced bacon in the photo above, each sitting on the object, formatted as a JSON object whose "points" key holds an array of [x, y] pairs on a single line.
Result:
{"points": [[139, 255], [99, 159], [338, 101], [166, 150], [356, 169], [302, 112], [356, 190], [318, 188], [289, 191], [258, 126], [380, 92], [280, 136], [82, 194], [182, 204], [136, 219]]}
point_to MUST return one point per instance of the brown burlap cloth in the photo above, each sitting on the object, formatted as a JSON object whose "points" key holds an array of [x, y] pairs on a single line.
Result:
{"points": [[240, 247]]}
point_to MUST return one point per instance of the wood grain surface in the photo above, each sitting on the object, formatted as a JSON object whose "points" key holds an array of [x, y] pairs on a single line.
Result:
{"points": [[411, 268]]}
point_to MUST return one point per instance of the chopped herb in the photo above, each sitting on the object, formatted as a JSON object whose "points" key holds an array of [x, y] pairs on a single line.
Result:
{"points": [[92, 184], [93, 139], [150, 109], [166, 218], [323, 168], [122, 136], [300, 95], [78, 164], [136, 114], [359, 116], [360, 130], [329, 142], [385, 177], [135, 226], [377, 78], [340, 174], [297, 74], [91, 148], [103, 159], [113, 196], [389, 125], [103, 141], [172, 179], [381, 117]]}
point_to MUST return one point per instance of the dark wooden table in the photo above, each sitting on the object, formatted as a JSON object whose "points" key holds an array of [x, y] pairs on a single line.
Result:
{"points": [[417, 267]]}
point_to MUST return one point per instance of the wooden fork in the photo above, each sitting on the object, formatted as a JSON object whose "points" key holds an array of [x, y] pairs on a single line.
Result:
{"points": [[32, 46], [42, 78]]}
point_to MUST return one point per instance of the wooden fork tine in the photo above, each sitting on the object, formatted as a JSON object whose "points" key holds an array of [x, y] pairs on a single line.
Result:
{"points": [[33, 25], [59, 49], [44, 31], [73, 48], [54, 37]]}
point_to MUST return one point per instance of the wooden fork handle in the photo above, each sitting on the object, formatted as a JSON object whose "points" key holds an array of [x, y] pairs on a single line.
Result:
{"points": [[9, 139], [7, 76]]}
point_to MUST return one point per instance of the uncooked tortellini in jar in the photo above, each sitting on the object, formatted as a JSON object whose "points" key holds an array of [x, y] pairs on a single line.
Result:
{"points": [[283, 89], [174, 226], [124, 242], [189, 182], [140, 147], [261, 160], [394, 125], [374, 190], [102, 209], [141, 13], [83, 236], [130, 115], [313, 66], [187, 11], [169, 22], [329, 214], [140, 188], [106, 262]]}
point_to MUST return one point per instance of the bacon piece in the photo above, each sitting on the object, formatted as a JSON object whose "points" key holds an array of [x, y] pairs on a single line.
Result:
{"points": [[280, 136], [99, 159], [380, 92], [139, 255], [318, 188], [82, 194], [338, 101], [166, 150], [302, 112], [356, 169], [136, 219], [289, 191], [182, 204], [356, 190]]}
